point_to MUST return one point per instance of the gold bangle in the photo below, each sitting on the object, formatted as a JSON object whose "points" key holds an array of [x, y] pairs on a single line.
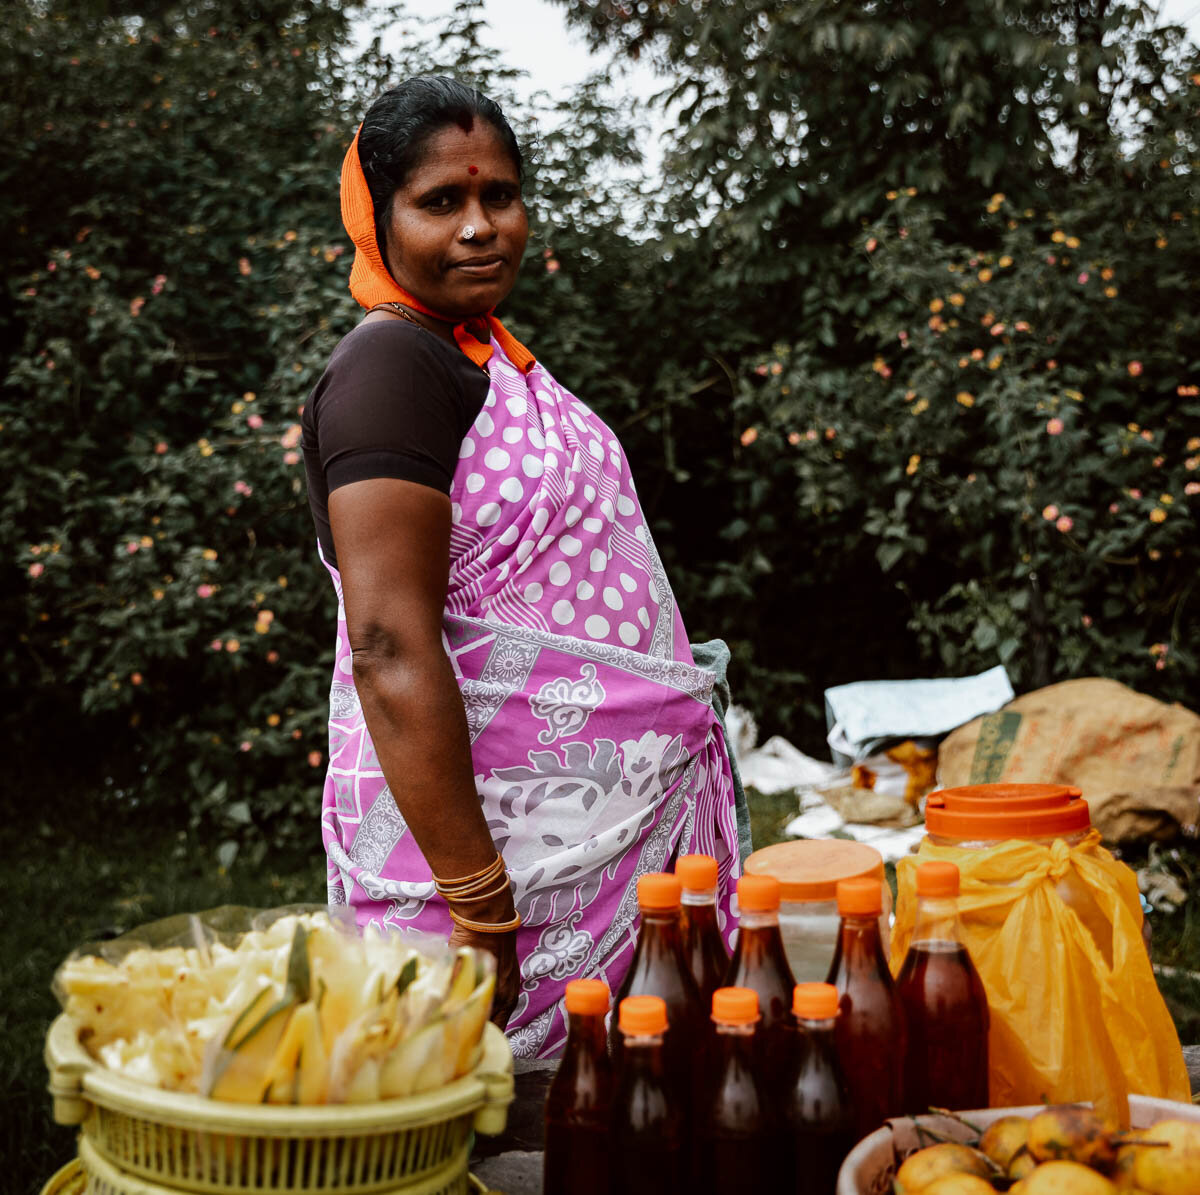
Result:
{"points": [[475, 897], [493, 868], [486, 927], [478, 875], [464, 890]]}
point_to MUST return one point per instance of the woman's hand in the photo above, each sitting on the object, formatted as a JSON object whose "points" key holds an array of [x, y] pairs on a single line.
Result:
{"points": [[508, 973]]}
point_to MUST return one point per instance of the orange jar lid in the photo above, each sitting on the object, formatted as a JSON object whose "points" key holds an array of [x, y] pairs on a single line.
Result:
{"points": [[1000, 811], [809, 869]]}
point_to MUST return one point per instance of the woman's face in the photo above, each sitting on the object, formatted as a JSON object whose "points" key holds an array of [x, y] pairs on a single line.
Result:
{"points": [[463, 178]]}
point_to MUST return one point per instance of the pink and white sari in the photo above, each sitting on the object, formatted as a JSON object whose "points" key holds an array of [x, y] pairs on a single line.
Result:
{"points": [[598, 756]]}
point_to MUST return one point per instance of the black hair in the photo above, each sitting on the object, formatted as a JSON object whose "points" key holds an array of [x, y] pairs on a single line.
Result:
{"points": [[399, 124]]}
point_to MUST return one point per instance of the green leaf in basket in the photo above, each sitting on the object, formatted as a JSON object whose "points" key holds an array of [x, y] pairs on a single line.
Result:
{"points": [[407, 974], [299, 973]]}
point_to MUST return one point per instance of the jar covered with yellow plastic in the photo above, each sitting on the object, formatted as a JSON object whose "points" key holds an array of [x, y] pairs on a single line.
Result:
{"points": [[1053, 924]]}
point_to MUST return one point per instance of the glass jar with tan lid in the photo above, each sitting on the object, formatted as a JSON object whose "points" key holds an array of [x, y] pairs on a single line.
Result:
{"points": [[808, 871]]}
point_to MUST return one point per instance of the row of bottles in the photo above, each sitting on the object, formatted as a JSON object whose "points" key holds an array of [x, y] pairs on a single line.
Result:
{"points": [[893, 1046], [623, 1126]]}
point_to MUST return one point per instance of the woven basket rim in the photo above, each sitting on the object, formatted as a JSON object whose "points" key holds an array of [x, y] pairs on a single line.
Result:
{"points": [[73, 1070]]}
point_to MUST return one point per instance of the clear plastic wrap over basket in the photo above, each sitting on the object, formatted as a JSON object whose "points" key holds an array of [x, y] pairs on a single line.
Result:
{"points": [[185, 1142]]}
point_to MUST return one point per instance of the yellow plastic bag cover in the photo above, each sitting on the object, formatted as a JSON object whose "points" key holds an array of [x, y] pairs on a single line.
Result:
{"points": [[1075, 1012]]}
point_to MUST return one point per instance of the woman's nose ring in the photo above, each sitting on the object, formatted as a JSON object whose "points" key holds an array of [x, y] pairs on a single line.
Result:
{"points": [[468, 232]]}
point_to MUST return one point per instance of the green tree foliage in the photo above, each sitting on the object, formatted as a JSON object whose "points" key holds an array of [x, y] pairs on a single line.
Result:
{"points": [[758, 332], [830, 173]]}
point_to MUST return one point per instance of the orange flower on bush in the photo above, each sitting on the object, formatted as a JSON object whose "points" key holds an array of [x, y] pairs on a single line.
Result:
{"points": [[1134, 368], [1064, 523], [965, 398], [1158, 515], [1050, 513], [749, 436]]}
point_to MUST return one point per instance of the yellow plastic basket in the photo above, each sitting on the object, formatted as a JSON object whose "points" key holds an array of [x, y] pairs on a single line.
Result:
{"points": [[176, 1142]]}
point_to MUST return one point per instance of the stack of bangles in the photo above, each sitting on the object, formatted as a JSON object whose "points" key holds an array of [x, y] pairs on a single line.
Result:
{"points": [[483, 885]]}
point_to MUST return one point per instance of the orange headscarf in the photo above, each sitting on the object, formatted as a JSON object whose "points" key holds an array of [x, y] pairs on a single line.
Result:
{"points": [[371, 284]]}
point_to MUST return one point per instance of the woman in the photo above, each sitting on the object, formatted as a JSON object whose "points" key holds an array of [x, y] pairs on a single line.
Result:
{"points": [[518, 729]]}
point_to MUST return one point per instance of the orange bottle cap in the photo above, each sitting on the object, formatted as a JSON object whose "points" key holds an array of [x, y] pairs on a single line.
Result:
{"points": [[937, 878], [810, 869], [735, 1006], [758, 894], [815, 1001], [659, 890], [860, 897], [981, 812], [697, 873], [588, 996], [643, 1014]]}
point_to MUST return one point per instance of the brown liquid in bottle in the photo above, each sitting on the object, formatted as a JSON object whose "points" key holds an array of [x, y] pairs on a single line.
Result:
{"points": [[703, 946], [732, 1128], [760, 964], [659, 969], [870, 1028], [646, 1143], [945, 1004], [579, 1103], [817, 1114]]}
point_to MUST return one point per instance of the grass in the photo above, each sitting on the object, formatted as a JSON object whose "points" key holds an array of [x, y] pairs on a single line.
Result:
{"points": [[81, 873]]}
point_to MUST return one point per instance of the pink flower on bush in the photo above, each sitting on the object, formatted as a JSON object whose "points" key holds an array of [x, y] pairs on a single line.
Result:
{"points": [[205, 590], [244, 745], [160, 280], [1051, 259], [1064, 523], [217, 645], [291, 437], [1086, 620], [136, 305], [314, 759], [132, 546], [872, 245], [1054, 427], [135, 678], [1135, 493], [242, 488], [291, 458], [161, 447], [272, 657], [794, 438], [1083, 277], [36, 569], [1050, 513], [254, 421], [1135, 369], [1113, 507], [761, 370], [749, 436], [1192, 487]]}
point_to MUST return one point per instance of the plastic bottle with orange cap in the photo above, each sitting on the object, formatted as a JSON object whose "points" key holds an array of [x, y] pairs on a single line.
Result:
{"points": [[945, 1005], [579, 1105], [760, 964], [703, 946], [649, 1131], [870, 1025], [817, 1117], [659, 969], [733, 1137]]}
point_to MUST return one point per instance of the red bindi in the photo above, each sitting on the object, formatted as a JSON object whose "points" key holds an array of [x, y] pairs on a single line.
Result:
{"points": [[472, 169]]}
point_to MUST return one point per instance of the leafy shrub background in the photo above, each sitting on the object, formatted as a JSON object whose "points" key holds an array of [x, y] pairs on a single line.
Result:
{"points": [[851, 473]]}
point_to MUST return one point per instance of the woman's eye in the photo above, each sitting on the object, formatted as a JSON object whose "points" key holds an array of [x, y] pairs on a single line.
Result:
{"points": [[500, 196], [439, 203]]}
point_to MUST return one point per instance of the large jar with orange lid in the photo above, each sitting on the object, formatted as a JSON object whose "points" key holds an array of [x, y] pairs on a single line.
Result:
{"points": [[980, 817], [808, 871]]}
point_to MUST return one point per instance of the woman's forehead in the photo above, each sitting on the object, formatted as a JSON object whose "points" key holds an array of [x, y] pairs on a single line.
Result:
{"points": [[453, 151]]}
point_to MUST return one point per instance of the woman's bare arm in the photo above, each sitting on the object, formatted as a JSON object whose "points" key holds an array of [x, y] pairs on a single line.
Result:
{"points": [[393, 549]]}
